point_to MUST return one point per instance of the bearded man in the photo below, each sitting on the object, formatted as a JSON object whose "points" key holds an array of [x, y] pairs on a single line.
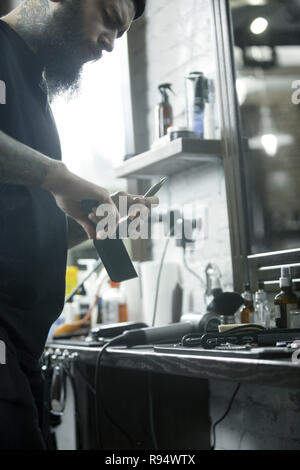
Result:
{"points": [[43, 47]]}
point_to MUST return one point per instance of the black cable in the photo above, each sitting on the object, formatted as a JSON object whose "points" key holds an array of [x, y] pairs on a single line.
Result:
{"points": [[86, 381], [191, 270], [151, 418], [99, 398], [191, 339], [224, 415]]}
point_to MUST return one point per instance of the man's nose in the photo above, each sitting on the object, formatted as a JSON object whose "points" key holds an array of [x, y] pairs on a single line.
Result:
{"points": [[108, 41]]}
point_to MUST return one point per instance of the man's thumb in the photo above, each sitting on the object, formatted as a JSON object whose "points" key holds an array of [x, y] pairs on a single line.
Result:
{"points": [[89, 228]]}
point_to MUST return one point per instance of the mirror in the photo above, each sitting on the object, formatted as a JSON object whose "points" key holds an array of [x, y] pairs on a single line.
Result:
{"points": [[267, 62]]}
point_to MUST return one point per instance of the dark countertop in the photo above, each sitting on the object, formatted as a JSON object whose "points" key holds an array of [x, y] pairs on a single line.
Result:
{"points": [[273, 372]]}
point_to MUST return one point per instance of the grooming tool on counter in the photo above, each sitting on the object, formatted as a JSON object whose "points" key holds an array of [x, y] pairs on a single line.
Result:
{"points": [[98, 336], [112, 252], [248, 334], [172, 332], [156, 334], [241, 352], [248, 341], [226, 303], [112, 330]]}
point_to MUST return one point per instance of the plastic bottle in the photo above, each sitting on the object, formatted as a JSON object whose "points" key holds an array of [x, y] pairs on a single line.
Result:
{"points": [[71, 278], [261, 306], [247, 312], [286, 300], [196, 98], [80, 307], [164, 111], [114, 307]]}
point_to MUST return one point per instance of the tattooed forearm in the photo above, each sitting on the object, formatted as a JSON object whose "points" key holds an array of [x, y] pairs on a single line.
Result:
{"points": [[22, 165], [76, 234], [29, 19]]}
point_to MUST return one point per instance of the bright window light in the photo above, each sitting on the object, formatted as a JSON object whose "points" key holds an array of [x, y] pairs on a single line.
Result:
{"points": [[259, 25], [91, 125]]}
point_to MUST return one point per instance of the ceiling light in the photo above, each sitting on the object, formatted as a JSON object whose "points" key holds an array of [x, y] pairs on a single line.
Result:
{"points": [[257, 2], [259, 25], [270, 144]]}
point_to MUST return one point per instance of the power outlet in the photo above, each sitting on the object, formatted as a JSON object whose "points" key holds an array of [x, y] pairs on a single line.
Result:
{"points": [[201, 232]]}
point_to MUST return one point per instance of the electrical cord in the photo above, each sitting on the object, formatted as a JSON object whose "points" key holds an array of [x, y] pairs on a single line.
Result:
{"points": [[224, 415], [99, 399], [187, 267], [191, 339], [86, 381], [159, 275]]}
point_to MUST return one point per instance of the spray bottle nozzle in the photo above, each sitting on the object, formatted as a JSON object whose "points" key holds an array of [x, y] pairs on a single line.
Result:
{"points": [[164, 87]]}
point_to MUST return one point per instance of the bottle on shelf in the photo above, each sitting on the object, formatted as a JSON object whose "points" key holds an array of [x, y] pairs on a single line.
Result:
{"points": [[114, 307], [164, 111], [261, 306], [196, 85], [247, 311], [286, 300]]}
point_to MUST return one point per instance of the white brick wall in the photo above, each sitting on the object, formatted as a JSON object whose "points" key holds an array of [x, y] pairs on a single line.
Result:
{"points": [[261, 417], [173, 40]]}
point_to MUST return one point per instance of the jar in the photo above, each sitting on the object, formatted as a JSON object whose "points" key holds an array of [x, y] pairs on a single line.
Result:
{"points": [[295, 318]]}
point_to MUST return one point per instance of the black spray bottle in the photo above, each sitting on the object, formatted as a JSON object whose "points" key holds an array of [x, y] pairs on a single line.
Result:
{"points": [[164, 111]]}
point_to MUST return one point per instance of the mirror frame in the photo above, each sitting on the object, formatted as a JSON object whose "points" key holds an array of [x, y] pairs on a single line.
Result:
{"points": [[246, 267]]}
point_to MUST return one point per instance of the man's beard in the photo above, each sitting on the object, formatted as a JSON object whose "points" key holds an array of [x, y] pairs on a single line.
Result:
{"points": [[61, 49]]}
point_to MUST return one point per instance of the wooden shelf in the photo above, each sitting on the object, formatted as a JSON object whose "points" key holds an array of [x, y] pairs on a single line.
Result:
{"points": [[174, 157]]}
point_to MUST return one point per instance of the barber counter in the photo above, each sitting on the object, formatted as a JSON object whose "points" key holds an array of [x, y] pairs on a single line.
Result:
{"points": [[148, 398]]}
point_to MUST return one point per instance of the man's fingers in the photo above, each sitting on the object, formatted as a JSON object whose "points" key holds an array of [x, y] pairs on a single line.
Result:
{"points": [[89, 228], [148, 202], [152, 201], [134, 199], [93, 218], [103, 220]]}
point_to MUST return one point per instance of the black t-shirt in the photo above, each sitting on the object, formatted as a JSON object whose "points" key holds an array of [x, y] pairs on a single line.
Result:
{"points": [[33, 230]]}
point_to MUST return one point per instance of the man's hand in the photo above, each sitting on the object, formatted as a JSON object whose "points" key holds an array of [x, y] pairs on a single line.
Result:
{"points": [[128, 207], [70, 191], [22, 165]]}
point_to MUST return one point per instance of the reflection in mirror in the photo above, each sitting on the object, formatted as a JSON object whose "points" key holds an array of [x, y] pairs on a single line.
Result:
{"points": [[267, 58]]}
